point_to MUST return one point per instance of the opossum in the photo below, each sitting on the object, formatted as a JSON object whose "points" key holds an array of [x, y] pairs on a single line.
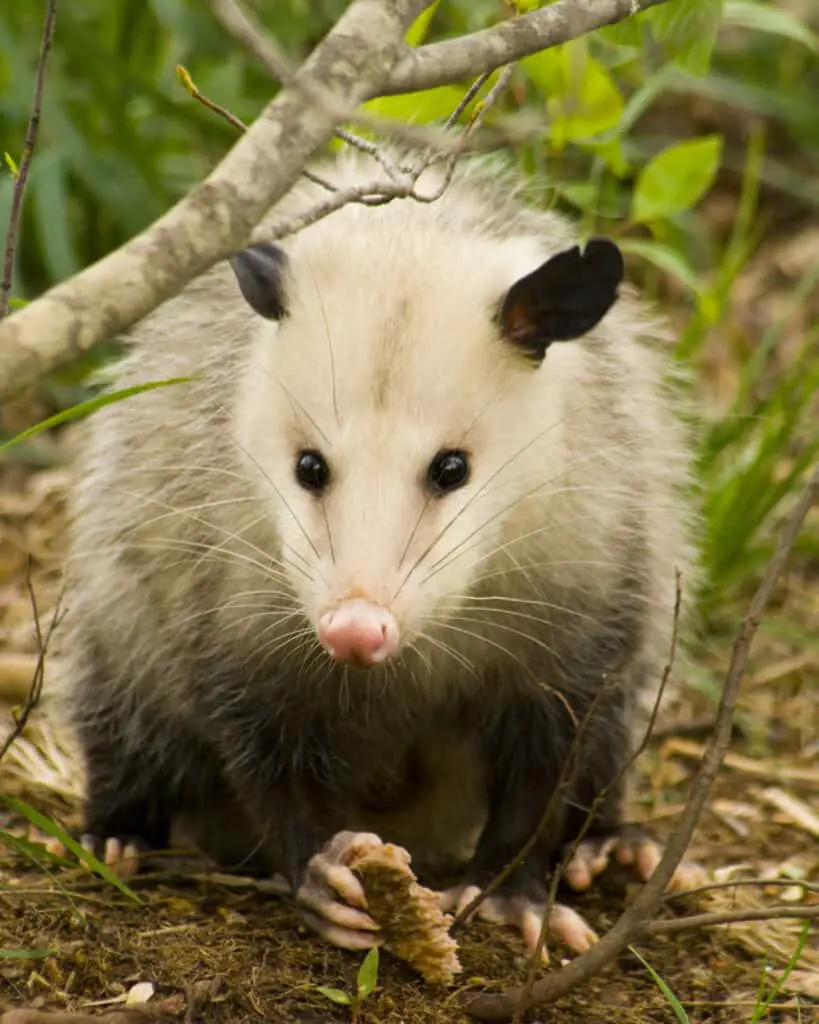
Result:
{"points": [[361, 577]]}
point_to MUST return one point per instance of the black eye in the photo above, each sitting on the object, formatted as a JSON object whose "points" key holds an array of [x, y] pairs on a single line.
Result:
{"points": [[312, 472], [448, 471]]}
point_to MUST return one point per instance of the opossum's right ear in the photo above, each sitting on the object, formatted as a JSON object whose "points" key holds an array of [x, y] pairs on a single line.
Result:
{"points": [[259, 269]]}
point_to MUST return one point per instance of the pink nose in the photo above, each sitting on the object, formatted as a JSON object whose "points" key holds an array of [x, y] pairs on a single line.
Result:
{"points": [[360, 632]]}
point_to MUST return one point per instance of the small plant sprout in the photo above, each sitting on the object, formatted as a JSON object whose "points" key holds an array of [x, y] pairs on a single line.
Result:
{"points": [[366, 981]]}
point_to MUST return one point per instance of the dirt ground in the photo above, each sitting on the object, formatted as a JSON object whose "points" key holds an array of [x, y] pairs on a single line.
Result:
{"points": [[216, 950]]}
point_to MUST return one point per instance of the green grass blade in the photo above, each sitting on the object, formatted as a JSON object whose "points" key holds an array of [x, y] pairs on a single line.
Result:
{"points": [[676, 1005], [50, 828], [85, 408], [39, 861], [36, 851], [763, 1005]]}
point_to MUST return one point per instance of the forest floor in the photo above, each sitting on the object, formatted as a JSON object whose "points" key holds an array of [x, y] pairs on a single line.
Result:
{"points": [[215, 950]]}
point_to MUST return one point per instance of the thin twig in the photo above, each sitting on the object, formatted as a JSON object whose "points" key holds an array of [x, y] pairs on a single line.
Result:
{"points": [[184, 77], [778, 910], [633, 920], [566, 780], [761, 883], [468, 96], [25, 160], [568, 856], [36, 689]]}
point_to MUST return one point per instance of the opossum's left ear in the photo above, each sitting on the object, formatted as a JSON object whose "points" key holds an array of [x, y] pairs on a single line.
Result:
{"points": [[259, 269], [563, 299]]}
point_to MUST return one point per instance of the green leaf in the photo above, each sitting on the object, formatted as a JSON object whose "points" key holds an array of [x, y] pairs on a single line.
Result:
{"points": [[417, 107], [772, 20], [335, 995], [51, 828], [25, 954], [417, 32], [367, 977], [686, 32], [625, 33], [18, 303], [581, 98], [611, 153], [84, 408], [676, 1005], [676, 178], [12, 165]]}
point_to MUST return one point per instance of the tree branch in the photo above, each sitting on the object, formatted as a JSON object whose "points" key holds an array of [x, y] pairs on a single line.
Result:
{"points": [[364, 55], [451, 61], [633, 921], [217, 216], [25, 160]]}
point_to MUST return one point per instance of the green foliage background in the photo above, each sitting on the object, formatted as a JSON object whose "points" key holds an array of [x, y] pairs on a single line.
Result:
{"points": [[610, 137]]}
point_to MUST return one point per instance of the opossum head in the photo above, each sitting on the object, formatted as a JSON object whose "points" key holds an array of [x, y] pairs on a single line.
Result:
{"points": [[403, 406]]}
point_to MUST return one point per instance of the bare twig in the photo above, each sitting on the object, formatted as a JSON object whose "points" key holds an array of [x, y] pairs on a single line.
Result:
{"points": [[184, 77], [778, 910], [25, 160], [556, 800], [566, 781], [635, 917], [568, 856], [36, 688], [761, 883]]}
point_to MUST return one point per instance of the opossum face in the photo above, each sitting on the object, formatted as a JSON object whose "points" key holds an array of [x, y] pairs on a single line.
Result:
{"points": [[399, 421]]}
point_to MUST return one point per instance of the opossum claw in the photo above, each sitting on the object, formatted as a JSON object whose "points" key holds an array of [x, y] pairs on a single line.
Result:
{"points": [[526, 916], [632, 847], [343, 938], [122, 857], [328, 877], [53, 845]]}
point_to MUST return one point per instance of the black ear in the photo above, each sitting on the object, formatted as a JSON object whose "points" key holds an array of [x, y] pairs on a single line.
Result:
{"points": [[259, 269], [563, 299]]}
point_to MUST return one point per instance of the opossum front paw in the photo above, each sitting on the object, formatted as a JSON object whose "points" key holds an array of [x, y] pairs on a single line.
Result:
{"points": [[525, 914], [332, 899], [121, 855], [632, 847]]}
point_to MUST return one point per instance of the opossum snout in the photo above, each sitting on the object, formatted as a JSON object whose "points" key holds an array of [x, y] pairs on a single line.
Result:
{"points": [[359, 632]]}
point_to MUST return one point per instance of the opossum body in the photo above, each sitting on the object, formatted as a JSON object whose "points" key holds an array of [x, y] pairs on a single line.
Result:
{"points": [[419, 506]]}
